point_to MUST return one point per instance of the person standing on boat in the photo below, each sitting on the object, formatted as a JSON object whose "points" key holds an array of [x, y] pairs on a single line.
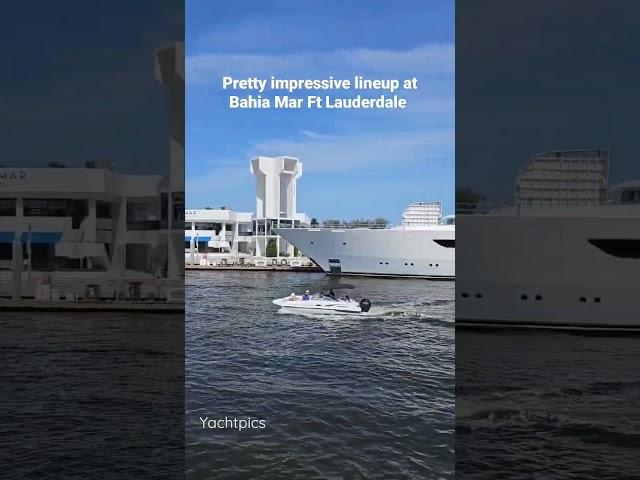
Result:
{"points": [[306, 295]]}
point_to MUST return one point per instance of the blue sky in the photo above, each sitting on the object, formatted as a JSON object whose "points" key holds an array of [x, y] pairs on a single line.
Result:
{"points": [[78, 83], [356, 164], [521, 90]]}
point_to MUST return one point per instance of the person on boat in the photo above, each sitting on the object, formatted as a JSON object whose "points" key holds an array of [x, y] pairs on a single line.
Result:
{"points": [[306, 295], [332, 294], [346, 298], [293, 297]]}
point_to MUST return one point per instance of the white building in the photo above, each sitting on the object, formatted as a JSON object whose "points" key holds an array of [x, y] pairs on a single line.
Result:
{"points": [[218, 231], [225, 233], [571, 177], [80, 226], [90, 231], [422, 214]]}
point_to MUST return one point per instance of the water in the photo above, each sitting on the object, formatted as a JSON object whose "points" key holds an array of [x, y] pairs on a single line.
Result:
{"points": [[342, 396], [547, 405], [91, 395]]}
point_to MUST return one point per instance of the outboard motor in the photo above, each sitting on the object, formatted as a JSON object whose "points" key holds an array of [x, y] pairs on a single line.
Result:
{"points": [[365, 305]]}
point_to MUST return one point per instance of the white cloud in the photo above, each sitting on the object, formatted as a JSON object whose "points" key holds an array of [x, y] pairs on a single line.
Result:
{"points": [[361, 141], [430, 59], [356, 151], [230, 181], [215, 183], [313, 135]]}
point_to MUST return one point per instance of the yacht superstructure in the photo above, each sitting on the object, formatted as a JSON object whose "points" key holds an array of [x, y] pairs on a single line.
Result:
{"points": [[567, 254]]}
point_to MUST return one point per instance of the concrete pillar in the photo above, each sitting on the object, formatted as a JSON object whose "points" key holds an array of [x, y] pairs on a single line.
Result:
{"points": [[236, 232], [17, 266], [90, 230], [19, 207], [118, 243]]}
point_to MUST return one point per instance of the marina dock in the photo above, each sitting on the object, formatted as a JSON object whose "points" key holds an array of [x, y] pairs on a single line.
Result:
{"points": [[253, 268], [32, 305]]}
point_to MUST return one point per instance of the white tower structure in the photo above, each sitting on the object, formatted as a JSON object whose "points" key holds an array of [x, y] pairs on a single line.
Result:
{"points": [[169, 70], [276, 179]]}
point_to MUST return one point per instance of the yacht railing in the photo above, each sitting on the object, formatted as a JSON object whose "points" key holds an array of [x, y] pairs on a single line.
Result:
{"points": [[346, 226]]}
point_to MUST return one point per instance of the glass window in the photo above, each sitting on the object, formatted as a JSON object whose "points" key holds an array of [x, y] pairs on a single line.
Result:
{"points": [[103, 209], [7, 207]]}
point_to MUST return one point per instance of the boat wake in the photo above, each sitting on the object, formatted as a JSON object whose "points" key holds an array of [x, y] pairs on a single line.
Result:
{"points": [[424, 311]]}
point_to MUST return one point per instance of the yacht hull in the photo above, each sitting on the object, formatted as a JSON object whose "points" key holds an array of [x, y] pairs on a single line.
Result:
{"points": [[558, 271], [414, 253]]}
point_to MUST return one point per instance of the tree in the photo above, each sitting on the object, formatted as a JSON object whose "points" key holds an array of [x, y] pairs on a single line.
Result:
{"points": [[467, 199], [272, 248], [467, 195], [314, 222], [331, 222]]}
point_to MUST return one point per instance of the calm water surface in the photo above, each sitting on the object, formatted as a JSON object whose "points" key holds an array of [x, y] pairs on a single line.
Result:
{"points": [[547, 405], [91, 396], [342, 396]]}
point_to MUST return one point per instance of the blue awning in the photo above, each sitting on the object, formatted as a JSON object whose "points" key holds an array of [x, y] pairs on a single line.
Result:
{"points": [[42, 237], [36, 237], [187, 238]]}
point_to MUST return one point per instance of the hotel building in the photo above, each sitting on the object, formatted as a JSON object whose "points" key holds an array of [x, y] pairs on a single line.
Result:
{"points": [[422, 214]]}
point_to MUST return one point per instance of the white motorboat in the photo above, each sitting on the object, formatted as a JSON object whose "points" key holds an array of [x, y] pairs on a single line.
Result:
{"points": [[322, 303]]}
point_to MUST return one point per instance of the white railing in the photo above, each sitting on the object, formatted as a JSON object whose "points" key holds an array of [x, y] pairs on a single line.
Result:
{"points": [[351, 225]]}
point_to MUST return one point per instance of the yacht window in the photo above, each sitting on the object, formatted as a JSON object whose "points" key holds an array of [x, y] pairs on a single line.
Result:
{"points": [[447, 243], [618, 247], [7, 207]]}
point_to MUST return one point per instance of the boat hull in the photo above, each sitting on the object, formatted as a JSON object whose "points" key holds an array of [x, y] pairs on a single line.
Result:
{"points": [[548, 271], [318, 306], [411, 253]]}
